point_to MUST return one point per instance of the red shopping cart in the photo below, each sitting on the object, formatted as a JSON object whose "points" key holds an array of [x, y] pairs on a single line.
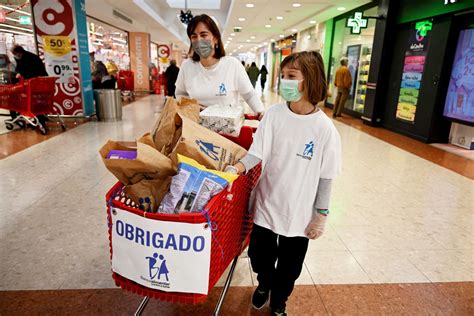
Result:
{"points": [[126, 83], [229, 211], [30, 98]]}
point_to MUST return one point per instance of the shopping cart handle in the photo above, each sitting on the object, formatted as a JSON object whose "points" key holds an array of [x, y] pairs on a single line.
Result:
{"points": [[251, 117]]}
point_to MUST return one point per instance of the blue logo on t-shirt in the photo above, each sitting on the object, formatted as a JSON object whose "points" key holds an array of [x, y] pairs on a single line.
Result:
{"points": [[308, 151], [222, 90], [209, 149]]}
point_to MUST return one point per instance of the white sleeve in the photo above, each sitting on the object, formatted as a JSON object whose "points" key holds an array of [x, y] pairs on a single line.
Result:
{"points": [[331, 162], [258, 138], [181, 84]]}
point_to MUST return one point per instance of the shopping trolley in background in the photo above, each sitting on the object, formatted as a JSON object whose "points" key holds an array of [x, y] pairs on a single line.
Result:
{"points": [[126, 84], [227, 215], [30, 98]]}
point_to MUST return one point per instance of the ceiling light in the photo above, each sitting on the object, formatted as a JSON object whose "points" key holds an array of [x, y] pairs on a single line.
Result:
{"points": [[237, 27], [14, 32], [252, 37], [241, 19], [312, 22], [296, 5], [15, 10], [232, 34], [268, 26], [281, 36], [248, 41], [16, 27], [230, 38], [279, 18], [272, 40], [341, 9], [294, 30], [265, 43], [250, 5]]}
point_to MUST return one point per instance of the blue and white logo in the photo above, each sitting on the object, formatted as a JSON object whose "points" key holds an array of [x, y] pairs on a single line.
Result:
{"points": [[222, 90], [156, 272], [209, 149], [308, 151]]}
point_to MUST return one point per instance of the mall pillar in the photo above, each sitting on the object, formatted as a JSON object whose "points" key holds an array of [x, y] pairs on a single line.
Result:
{"points": [[375, 98], [61, 37], [140, 59]]}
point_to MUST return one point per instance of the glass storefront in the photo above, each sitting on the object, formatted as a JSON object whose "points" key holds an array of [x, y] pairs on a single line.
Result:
{"points": [[109, 44], [358, 49]]}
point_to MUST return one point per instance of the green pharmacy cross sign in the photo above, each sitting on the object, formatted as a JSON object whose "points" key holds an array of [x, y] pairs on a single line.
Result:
{"points": [[357, 23]]}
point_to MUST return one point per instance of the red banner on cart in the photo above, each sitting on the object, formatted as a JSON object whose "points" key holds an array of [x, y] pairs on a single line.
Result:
{"points": [[140, 59]]}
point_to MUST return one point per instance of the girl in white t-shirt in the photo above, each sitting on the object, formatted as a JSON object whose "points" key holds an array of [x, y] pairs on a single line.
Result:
{"points": [[300, 152], [209, 76]]}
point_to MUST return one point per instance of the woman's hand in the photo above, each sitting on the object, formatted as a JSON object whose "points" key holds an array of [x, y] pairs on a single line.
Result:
{"points": [[315, 228]]}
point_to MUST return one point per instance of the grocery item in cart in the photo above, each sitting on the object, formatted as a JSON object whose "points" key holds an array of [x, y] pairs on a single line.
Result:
{"points": [[223, 119], [122, 154], [205, 146], [193, 187], [149, 163], [165, 127], [148, 194]]}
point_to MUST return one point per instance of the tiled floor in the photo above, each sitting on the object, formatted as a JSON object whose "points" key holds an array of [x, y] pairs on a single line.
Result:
{"points": [[399, 225]]}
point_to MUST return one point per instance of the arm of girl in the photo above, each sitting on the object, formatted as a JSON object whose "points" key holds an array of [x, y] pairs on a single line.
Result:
{"points": [[315, 228]]}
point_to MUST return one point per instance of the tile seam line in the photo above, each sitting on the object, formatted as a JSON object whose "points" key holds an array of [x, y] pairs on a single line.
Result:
{"points": [[385, 141]]}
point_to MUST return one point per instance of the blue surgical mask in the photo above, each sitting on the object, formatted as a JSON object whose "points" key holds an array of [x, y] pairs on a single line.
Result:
{"points": [[289, 90], [202, 47]]}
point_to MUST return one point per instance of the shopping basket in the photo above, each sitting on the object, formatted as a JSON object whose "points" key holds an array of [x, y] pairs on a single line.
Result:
{"points": [[29, 98], [230, 220], [126, 83]]}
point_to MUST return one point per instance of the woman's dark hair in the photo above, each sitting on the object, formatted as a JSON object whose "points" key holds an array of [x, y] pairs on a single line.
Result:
{"points": [[17, 49], [264, 68], [311, 66], [254, 64], [212, 26]]}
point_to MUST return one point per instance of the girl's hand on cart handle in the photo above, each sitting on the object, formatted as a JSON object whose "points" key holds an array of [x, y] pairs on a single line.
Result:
{"points": [[315, 228], [238, 168]]}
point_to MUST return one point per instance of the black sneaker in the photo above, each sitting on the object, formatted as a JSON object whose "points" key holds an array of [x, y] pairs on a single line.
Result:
{"points": [[260, 298], [278, 312]]}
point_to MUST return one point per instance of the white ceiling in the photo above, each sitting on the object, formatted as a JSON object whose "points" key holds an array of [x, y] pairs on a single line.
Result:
{"points": [[160, 18]]}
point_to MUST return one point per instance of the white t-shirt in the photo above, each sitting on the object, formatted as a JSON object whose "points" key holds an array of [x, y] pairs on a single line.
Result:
{"points": [[296, 151], [219, 85]]}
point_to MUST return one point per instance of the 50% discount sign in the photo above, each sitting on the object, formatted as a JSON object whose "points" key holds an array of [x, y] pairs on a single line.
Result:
{"points": [[58, 57]]}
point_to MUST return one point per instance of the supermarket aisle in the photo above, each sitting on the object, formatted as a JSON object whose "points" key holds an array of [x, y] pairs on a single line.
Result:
{"points": [[399, 226]]}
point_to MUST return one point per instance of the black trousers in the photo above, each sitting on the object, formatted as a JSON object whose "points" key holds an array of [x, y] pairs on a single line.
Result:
{"points": [[267, 249]]}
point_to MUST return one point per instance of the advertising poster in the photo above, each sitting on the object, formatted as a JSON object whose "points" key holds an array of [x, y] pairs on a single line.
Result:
{"points": [[459, 103], [413, 67], [353, 55], [166, 256], [140, 59], [58, 45]]}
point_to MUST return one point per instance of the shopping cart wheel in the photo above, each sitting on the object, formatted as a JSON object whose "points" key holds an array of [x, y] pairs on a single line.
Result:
{"points": [[9, 126], [43, 129], [21, 124]]}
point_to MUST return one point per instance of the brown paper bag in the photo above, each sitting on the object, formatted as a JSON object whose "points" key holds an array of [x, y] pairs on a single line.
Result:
{"points": [[154, 189], [149, 164], [205, 146], [165, 127]]}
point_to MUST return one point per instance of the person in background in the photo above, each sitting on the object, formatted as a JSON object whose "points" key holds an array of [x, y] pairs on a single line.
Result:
{"points": [[343, 83], [7, 70], [209, 76], [253, 73], [243, 63], [112, 67], [171, 75], [101, 78], [29, 65], [292, 196], [263, 76]]}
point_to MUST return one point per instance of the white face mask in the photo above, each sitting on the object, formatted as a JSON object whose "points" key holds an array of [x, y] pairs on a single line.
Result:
{"points": [[289, 90]]}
